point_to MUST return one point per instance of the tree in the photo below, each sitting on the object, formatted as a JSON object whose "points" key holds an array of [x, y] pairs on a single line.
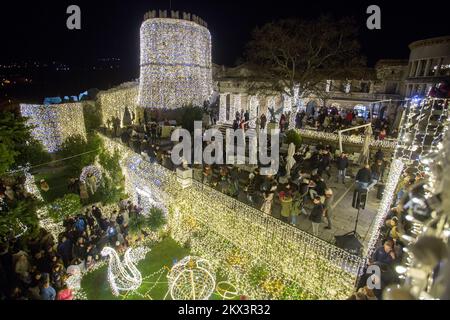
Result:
{"points": [[17, 146], [12, 222], [84, 150], [189, 115], [289, 54], [92, 115], [113, 187]]}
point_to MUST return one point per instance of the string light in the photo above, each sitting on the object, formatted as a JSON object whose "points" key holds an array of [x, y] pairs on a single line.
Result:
{"points": [[91, 170], [192, 278], [216, 225], [175, 63], [53, 124], [45, 221], [226, 290], [114, 102], [124, 276], [354, 139], [385, 204]]}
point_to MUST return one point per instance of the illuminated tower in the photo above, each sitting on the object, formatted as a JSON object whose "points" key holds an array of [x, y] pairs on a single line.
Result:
{"points": [[175, 61]]}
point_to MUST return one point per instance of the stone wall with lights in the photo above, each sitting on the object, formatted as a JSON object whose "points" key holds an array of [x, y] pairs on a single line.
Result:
{"points": [[53, 124], [175, 63], [115, 101], [236, 237]]}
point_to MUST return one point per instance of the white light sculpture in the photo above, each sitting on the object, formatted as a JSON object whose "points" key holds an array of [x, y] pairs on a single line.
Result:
{"points": [[191, 278], [95, 171], [124, 276], [226, 290], [175, 63], [227, 225]]}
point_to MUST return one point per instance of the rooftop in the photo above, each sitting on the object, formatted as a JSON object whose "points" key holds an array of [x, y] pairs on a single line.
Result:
{"points": [[430, 41]]}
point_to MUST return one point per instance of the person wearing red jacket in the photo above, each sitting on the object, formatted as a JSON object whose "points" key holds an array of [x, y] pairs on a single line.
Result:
{"points": [[65, 293]]}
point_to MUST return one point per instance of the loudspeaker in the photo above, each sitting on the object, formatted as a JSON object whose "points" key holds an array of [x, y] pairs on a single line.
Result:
{"points": [[359, 198], [349, 242], [380, 191]]}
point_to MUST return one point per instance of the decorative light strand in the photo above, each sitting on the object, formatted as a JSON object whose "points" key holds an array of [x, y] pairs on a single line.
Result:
{"points": [[214, 223], [175, 64], [53, 124]]}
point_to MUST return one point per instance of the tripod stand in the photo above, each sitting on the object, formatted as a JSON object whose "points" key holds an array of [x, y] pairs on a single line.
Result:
{"points": [[354, 232], [351, 240]]}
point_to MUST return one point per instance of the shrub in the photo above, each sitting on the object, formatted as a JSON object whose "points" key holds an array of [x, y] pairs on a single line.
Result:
{"points": [[77, 145], [189, 115], [25, 213], [113, 187], [156, 219], [153, 221], [257, 275], [92, 115], [292, 136], [66, 206]]}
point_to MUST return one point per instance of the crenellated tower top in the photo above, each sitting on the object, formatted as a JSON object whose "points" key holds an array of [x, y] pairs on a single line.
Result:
{"points": [[175, 15]]}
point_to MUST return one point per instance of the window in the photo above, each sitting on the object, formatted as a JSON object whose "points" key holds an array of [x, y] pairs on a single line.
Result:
{"points": [[422, 90], [391, 87], [365, 86], [228, 107], [328, 86], [361, 111], [436, 66], [421, 68], [431, 68], [413, 69]]}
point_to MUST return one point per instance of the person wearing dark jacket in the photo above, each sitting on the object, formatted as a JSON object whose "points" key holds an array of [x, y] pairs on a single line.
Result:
{"points": [[79, 249], [377, 170], [363, 177], [316, 215], [385, 254], [324, 163], [342, 165], [97, 213], [65, 250], [379, 155]]}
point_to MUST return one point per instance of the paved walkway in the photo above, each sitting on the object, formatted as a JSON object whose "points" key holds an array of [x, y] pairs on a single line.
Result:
{"points": [[344, 215]]}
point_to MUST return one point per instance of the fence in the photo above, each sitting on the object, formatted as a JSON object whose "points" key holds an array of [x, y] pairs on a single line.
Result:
{"points": [[321, 269]]}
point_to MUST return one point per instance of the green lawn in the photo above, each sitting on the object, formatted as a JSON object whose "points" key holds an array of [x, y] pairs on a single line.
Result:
{"points": [[57, 179], [160, 258]]}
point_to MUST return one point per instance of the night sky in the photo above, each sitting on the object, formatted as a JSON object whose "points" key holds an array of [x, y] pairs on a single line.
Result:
{"points": [[37, 29]]}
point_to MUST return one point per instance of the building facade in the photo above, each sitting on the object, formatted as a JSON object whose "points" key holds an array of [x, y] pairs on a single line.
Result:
{"points": [[429, 65], [377, 92], [379, 86]]}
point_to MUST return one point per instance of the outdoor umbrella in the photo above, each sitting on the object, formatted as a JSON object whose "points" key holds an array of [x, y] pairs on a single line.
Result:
{"points": [[290, 161], [126, 118], [364, 157]]}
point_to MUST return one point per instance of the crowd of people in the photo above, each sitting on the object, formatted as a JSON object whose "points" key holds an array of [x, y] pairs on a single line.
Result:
{"points": [[12, 190], [390, 251], [306, 189], [38, 268], [324, 120]]}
